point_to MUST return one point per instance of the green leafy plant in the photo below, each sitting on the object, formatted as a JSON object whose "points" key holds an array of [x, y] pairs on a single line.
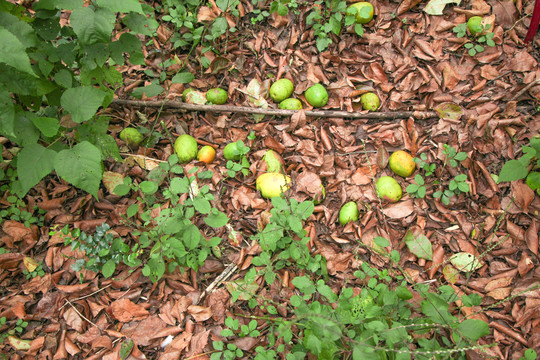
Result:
{"points": [[102, 250], [529, 354], [517, 169], [474, 46], [326, 18], [242, 165], [20, 325], [284, 240], [38, 271], [18, 211], [418, 189], [168, 232]]}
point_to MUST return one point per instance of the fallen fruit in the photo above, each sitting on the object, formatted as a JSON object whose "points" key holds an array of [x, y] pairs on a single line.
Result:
{"points": [[363, 13], [316, 95], [388, 189], [348, 213], [402, 163], [186, 92], [370, 101], [274, 162], [290, 104], [475, 26], [131, 136], [216, 96], [533, 180], [185, 147], [206, 154], [231, 152], [281, 90], [272, 184]]}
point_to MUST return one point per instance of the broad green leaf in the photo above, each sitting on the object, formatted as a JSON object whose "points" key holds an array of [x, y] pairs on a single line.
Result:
{"points": [[419, 244], [436, 309], [81, 166], [202, 205], [216, 218], [326, 291], [304, 284], [465, 262], [82, 102], [22, 30], [128, 43], [140, 24], [382, 242], [48, 126], [92, 27], [123, 6], [58, 4], [512, 170], [183, 78], [108, 268], [12, 52], [126, 348], [473, 329], [148, 187], [7, 114], [34, 162], [149, 91]]}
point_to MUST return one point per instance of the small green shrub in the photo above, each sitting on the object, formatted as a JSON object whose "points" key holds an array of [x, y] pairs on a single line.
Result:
{"points": [[474, 46], [518, 168]]}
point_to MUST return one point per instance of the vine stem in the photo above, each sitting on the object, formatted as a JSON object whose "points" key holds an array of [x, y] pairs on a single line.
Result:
{"points": [[420, 115]]}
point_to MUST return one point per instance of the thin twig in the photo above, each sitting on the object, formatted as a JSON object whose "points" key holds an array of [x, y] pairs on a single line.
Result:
{"points": [[526, 88], [420, 115], [222, 277], [87, 296]]}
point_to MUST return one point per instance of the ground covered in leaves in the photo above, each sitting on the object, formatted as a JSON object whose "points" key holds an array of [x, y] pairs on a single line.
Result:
{"points": [[414, 62]]}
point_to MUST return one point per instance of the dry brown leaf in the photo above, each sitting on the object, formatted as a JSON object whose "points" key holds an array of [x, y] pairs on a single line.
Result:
{"points": [[199, 313], [125, 310], [399, 210]]}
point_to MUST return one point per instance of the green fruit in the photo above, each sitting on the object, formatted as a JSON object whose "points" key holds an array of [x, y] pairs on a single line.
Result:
{"points": [[186, 92], [281, 90], [316, 95], [274, 163], [363, 13], [216, 96], [186, 148], [388, 189], [131, 136], [290, 104], [231, 152], [370, 101], [533, 180], [348, 213], [402, 163], [272, 184], [475, 26]]}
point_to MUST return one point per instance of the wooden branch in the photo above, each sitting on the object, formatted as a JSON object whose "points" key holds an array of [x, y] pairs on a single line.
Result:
{"points": [[421, 115]]}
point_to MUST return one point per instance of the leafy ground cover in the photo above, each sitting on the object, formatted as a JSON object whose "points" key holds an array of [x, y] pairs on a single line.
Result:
{"points": [[122, 244]]}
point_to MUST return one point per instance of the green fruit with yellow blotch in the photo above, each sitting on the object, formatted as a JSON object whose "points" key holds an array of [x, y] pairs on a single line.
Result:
{"points": [[281, 90], [363, 11], [388, 189], [348, 213], [370, 101], [216, 96], [272, 184], [290, 104]]}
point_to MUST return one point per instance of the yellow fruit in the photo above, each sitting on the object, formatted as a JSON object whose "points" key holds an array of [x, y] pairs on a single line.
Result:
{"points": [[402, 163], [216, 96], [362, 10], [272, 184], [370, 101], [131, 136], [281, 90], [388, 189], [231, 152], [316, 95], [207, 154], [186, 148], [349, 212], [290, 104], [475, 26]]}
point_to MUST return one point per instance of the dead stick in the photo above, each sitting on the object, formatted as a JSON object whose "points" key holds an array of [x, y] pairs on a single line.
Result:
{"points": [[279, 112]]}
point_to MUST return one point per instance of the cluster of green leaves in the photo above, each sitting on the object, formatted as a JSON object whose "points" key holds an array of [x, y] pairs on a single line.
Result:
{"points": [[18, 211], [20, 325], [38, 271], [284, 240], [281, 7], [456, 185], [326, 18], [474, 46], [103, 251], [239, 151], [230, 351], [172, 238], [517, 169], [49, 70], [378, 323]]}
